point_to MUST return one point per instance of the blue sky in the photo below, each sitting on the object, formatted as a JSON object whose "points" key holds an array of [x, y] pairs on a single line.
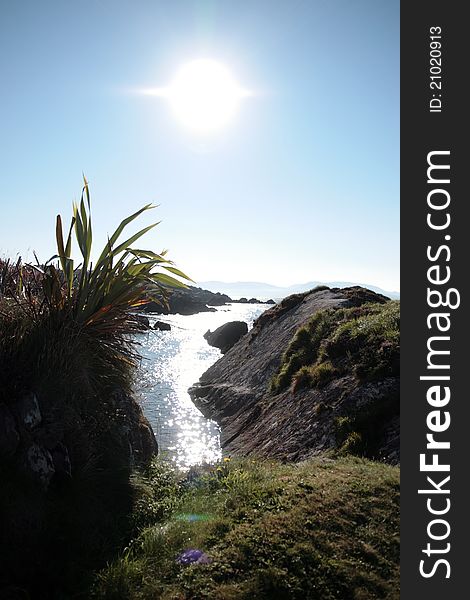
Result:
{"points": [[302, 185]]}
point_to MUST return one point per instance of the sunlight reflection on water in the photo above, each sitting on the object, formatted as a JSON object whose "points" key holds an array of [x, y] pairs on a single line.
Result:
{"points": [[172, 362]]}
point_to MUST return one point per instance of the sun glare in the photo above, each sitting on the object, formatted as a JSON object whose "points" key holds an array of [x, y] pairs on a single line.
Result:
{"points": [[203, 96]]}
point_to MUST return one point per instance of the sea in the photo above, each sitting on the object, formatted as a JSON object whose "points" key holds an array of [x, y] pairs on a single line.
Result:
{"points": [[172, 361]]}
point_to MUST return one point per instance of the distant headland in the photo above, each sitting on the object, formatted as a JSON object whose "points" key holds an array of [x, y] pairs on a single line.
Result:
{"points": [[265, 291]]}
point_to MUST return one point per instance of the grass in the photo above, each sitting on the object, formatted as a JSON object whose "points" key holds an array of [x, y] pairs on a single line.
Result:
{"points": [[361, 340], [324, 529], [282, 307]]}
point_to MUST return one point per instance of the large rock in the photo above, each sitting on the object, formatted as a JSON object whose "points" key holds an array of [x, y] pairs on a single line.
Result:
{"points": [[292, 424], [227, 335]]}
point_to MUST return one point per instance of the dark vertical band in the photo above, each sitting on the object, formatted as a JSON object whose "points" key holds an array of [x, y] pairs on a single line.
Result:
{"points": [[435, 250]]}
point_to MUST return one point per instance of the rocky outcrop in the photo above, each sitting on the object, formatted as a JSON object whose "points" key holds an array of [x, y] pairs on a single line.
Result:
{"points": [[252, 301], [194, 300], [227, 335], [294, 424], [42, 448], [188, 301], [210, 298]]}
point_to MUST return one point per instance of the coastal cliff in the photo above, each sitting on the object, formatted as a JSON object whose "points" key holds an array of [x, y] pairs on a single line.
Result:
{"points": [[318, 371]]}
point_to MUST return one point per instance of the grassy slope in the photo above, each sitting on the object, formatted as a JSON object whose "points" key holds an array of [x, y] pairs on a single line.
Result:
{"points": [[322, 529], [363, 340]]}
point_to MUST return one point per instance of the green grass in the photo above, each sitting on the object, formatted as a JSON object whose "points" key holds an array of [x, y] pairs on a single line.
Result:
{"points": [[362, 340], [325, 529]]}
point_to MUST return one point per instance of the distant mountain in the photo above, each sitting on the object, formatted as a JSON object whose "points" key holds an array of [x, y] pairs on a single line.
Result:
{"points": [[264, 291]]}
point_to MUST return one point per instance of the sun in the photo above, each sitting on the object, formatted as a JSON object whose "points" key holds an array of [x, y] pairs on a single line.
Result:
{"points": [[203, 96]]}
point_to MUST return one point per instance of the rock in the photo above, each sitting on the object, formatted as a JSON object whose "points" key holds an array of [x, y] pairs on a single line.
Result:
{"points": [[9, 436], [134, 430], [39, 465], [147, 444], [161, 326], [290, 424], [251, 301], [270, 301], [27, 410], [143, 322], [227, 335]]}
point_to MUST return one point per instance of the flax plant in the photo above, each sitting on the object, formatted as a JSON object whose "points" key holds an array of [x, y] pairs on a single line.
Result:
{"points": [[122, 279], [78, 318]]}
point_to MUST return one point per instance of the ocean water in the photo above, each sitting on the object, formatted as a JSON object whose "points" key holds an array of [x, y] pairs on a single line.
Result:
{"points": [[172, 361]]}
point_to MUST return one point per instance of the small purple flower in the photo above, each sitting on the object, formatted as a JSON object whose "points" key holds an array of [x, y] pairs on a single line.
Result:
{"points": [[193, 556]]}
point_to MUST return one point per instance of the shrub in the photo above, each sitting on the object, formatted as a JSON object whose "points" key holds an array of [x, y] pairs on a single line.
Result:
{"points": [[317, 375], [66, 335], [157, 492], [77, 323]]}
